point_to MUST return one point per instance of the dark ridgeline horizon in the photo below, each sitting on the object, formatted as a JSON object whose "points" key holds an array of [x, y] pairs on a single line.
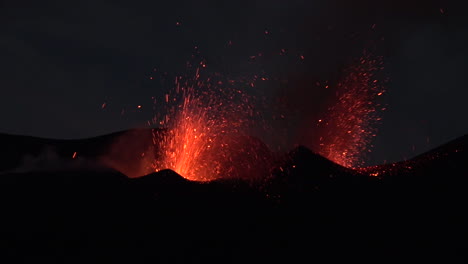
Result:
{"points": [[61, 62]]}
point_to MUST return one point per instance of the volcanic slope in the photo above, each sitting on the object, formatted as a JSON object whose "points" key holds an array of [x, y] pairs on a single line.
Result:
{"points": [[308, 208]]}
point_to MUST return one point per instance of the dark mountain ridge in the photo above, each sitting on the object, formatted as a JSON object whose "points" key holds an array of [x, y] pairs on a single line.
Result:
{"points": [[309, 208]]}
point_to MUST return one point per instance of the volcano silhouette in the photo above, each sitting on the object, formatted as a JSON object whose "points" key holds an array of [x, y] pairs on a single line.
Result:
{"points": [[71, 208]]}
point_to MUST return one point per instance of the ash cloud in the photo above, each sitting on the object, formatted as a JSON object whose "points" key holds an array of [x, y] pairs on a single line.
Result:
{"points": [[48, 159]]}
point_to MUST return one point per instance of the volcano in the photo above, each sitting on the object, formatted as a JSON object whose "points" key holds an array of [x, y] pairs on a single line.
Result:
{"points": [[93, 199]]}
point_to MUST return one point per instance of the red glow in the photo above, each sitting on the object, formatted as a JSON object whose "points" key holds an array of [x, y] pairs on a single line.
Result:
{"points": [[205, 138], [349, 125], [74, 155], [207, 120]]}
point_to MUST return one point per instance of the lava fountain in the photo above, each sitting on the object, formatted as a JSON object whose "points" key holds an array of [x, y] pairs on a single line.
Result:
{"points": [[207, 123], [348, 127]]}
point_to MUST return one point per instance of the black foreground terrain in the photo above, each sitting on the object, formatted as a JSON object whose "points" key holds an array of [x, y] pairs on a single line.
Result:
{"points": [[309, 211]]}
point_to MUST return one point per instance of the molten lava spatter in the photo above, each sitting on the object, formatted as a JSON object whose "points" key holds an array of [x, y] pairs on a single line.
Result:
{"points": [[350, 124], [207, 122]]}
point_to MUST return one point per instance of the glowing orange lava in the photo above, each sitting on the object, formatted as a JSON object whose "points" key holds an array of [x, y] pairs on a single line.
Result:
{"points": [[208, 120], [349, 125], [206, 131]]}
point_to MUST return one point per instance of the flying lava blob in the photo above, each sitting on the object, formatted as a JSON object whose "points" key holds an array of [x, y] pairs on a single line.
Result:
{"points": [[349, 125]]}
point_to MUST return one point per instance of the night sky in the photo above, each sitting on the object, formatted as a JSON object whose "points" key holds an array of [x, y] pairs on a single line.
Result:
{"points": [[61, 60]]}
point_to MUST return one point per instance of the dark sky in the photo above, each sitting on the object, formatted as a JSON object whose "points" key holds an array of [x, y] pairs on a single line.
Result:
{"points": [[61, 60]]}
